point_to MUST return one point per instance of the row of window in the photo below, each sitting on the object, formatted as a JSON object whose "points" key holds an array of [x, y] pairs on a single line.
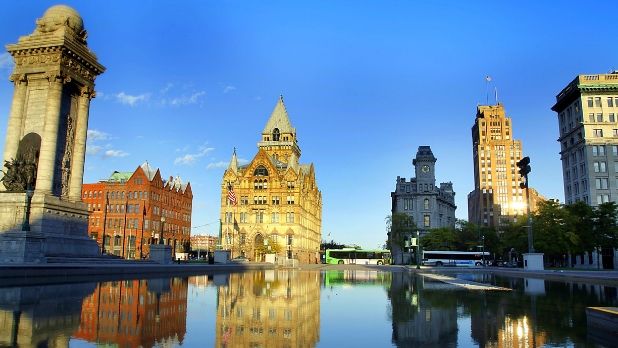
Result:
{"points": [[112, 195], [597, 102], [275, 200], [258, 217], [407, 204], [421, 187]]}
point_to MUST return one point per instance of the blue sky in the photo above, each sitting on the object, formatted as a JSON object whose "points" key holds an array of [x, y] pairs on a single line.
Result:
{"points": [[365, 83]]}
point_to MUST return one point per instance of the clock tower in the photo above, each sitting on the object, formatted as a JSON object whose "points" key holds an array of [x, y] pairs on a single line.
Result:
{"points": [[424, 165]]}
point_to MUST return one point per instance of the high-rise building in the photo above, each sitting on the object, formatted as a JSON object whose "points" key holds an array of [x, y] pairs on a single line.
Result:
{"points": [[587, 109], [497, 198], [278, 204], [129, 211]]}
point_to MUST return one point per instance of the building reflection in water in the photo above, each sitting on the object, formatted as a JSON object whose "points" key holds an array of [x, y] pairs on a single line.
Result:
{"points": [[41, 316], [132, 313], [272, 308], [421, 317]]}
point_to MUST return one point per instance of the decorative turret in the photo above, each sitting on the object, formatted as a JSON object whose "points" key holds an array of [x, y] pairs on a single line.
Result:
{"points": [[233, 163], [278, 136]]}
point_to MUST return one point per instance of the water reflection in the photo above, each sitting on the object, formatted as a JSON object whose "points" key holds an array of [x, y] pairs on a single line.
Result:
{"points": [[273, 308], [290, 308], [134, 313], [41, 316]]}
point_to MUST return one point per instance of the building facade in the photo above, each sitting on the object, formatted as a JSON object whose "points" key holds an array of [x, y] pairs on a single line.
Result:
{"points": [[429, 206], [497, 198], [204, 243], [278, 204], [587, 109], [129, 211]]}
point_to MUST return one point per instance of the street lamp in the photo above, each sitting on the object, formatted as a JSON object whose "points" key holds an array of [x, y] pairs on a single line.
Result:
{"points": [[418, 249], [26, 224], [162, 228]]}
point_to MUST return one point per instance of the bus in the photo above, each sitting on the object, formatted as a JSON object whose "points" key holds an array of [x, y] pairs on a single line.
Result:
{"points": [[357, 256], [454, 258]]}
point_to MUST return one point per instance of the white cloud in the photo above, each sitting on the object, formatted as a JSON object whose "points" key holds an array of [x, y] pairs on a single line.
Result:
{"points": [[166, 88], [228, 89], [187, 99], [131, 100], [225, 164], [93, 149], [190, 158], [6, 61], [115, 153], [94, 135]]}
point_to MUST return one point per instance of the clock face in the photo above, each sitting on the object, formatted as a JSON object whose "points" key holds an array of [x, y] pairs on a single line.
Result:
{"points": [[425, 169]]}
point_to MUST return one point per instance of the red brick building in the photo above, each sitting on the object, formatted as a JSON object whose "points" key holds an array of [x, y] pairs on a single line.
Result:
{"points": [[129, 210]]}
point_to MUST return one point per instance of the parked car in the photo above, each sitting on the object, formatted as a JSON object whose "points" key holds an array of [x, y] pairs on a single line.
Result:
{"points": [[240, 259]]}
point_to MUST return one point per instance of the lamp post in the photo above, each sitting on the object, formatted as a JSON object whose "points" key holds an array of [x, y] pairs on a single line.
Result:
{"points": [[26, 224], [418, 249], [162, 229]]}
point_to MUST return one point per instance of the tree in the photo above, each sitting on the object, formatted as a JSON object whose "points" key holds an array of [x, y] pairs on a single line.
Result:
{"points": [[605, 228], [552, 235], [440, 239], [400, 227]]}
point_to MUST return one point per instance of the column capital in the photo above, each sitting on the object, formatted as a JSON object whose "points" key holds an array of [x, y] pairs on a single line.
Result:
{"points": [[87, 92], [18, 79], [56, 76]]}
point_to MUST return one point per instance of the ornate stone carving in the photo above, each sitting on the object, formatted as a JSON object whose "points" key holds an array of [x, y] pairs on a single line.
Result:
{"points": [[21, 172], [57, 76], [66, 158], [77, 68], [18, 79]]}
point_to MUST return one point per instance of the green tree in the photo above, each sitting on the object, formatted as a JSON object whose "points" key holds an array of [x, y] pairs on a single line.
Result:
{"points": [[552, 235], [605, 228], [440, 239], [400, 227], [580, 227]]}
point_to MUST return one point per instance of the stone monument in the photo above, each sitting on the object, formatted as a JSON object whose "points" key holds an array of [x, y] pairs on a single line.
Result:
{"points": [[41, 212]]}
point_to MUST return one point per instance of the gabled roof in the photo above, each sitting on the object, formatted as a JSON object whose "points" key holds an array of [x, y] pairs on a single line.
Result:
{"points": [[150, 173], [279, 119]]}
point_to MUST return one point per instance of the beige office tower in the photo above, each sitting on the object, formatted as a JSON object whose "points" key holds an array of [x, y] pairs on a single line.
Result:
{"points": [[497, 198], [587, 109]]}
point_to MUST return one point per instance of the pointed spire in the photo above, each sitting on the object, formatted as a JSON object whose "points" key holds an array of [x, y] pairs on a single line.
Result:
{"points": [[279, 119], [234, 162], [293, 161]]}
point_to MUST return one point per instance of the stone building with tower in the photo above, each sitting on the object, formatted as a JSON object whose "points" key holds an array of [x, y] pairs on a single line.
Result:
{"points": [[41, 213], [278, 204], [428, 205], [497, 198], [130, 210]]}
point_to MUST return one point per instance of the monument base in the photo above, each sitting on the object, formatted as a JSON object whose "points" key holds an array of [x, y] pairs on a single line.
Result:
{"points": [[160, 253], [22, 247], [58, 228], [533, 262]]}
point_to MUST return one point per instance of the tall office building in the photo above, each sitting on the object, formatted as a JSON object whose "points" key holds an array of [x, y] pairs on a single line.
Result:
{"points": [[587, 109], [497, 198], [279, 205]]}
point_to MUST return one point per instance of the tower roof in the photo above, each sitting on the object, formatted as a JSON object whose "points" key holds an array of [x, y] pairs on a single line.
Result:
{"points": [[424, 153], [233, 162], [279, 119]]}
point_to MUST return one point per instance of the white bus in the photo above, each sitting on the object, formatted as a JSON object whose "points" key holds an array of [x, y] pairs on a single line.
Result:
{"points": [[454, 258]]}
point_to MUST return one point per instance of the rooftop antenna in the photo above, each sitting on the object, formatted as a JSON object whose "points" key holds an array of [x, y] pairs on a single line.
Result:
{"points": [[487, 81], [496, 93]]}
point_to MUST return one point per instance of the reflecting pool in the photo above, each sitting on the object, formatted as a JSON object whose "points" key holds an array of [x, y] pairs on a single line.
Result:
{"points": [[294, 308]]}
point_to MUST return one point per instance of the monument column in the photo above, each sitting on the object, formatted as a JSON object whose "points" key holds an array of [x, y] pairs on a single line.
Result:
{"points": [[13, 131], [79, 155], [47, 159]]}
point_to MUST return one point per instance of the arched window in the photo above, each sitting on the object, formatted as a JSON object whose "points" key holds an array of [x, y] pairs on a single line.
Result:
{"points": [[260, 171], [426, 203], [276, 134]]}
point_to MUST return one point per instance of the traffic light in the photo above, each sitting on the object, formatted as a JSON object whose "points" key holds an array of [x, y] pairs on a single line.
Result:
{"points": [[524, 166]]}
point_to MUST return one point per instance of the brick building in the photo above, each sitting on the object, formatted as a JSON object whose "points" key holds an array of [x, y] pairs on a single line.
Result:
{"points": [[204, 242], [140, 205]]}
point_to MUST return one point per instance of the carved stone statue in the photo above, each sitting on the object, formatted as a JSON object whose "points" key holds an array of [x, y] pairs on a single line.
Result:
{"points": [[21, 173]]}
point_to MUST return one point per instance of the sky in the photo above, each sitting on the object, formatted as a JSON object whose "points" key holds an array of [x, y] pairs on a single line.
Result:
{"points": [[365, 84]]}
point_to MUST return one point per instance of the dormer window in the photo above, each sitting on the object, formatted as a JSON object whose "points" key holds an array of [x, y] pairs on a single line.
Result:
{"points": [[276, 134], [260, 171]]}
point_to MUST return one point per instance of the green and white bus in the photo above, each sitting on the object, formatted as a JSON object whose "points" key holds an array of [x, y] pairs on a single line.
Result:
{"points": [[357, 256]]}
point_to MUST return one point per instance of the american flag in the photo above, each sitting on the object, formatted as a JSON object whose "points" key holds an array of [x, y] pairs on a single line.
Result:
{"points": [[231, 196]]}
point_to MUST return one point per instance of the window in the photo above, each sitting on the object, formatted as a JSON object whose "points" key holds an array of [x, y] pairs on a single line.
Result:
{"points": [[243, 217], [426, 204], [228, 217], [591, 117], [615, 149], [289, 217], [597, 102], [615, 132], [276, 134], [290, 200], [260, 171], [598, 133], [274, 218], [426, 221], [601, 183], [275, 200], [259, 216], [599, 117], [244, 200], [602, 199], [590, 102], [610, 102], [612, 117]]}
